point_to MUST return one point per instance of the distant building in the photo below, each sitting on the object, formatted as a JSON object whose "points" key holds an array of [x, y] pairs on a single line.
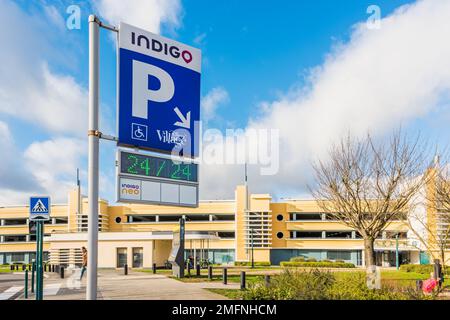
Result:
{"points": [[221, 231]]}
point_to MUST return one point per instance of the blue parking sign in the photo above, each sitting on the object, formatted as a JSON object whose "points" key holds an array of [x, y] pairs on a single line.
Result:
{"points": [[159, 93], [39, 208]]}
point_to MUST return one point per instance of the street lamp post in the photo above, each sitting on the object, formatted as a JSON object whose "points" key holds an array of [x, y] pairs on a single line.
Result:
{"points": [[397, 262]]}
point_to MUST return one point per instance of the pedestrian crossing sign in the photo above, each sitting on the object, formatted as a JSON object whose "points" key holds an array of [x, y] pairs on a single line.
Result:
{"points": [[39, 208]]}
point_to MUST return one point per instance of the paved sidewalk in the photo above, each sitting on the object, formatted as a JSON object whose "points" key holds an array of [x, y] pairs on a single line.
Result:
{"points": [[112, 285]]}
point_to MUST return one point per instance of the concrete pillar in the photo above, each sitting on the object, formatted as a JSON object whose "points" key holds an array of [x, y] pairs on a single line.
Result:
{"points": [[2, 222], [210, 217], [130, 257], [2, 238], [324, 216], [157, 218], [294, 217], [324, 235], [130, 218], [27, 238], [353, 234], [53, 220]]}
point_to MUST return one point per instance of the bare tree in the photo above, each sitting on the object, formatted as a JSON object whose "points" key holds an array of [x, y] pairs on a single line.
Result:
{"points": [[365, 185], [431, 226]]}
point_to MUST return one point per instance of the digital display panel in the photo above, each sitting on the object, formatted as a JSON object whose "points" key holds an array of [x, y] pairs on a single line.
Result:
{"points": [[148, 166]]}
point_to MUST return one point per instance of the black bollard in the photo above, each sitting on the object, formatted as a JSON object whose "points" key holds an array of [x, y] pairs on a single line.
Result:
{"points": [[210, 272], [29, 267], [197, 267], [24, 267], [33, 270], [225, 276], [53, 268], [125, 269], [62, 272], [267, 280], [11, 267], [189, 269], [242, 280], [154, 268]]}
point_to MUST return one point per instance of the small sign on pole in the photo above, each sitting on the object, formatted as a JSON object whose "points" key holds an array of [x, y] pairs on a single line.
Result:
{"points": [[39, 208]]}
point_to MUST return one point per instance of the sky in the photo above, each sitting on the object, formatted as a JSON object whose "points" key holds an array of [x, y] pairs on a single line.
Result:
{"points": [[311, 70]]}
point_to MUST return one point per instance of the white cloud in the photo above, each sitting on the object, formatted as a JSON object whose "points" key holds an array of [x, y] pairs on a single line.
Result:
{"points": [[377, 81], [29, 89], [199, 39], [55, 16], [15, 178], [54, 163], [212, 101], [146, 14]]}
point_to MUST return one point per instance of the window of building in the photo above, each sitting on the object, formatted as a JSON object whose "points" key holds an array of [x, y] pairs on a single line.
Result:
{"points": [[217, 256], [308, 234], [118, 219], [170, 218], [339, 234], [339, 255], [226, 235], [121, 257], [62, 220], [280, 235], [393, 235], [15, 238], [197, 217], [15, 222], [302, 216], [280, 217], [223, 217], [142, 218], [138, 257], [18, 257]]}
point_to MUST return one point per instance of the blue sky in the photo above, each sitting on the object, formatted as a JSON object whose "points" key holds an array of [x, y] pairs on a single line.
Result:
{"points": [[275, 64]]}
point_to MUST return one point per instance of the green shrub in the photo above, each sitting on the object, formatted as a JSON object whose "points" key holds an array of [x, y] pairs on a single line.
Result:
{"points": [[319, 285], [421, 268], [311, 260], [352, 286], [292, 285], [297, 259], [248, 264], [320, 264]]}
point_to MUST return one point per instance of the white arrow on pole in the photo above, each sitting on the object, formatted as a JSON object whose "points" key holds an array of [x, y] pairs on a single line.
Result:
{"points": [[185, 121]]}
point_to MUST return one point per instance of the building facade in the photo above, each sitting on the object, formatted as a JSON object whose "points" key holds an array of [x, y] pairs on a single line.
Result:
{"points": [[250, 225]]}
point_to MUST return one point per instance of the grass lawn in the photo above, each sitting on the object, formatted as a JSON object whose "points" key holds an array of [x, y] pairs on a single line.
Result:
{"points": [[229, 293], [5, 269], [218, 278], [165, 272]]}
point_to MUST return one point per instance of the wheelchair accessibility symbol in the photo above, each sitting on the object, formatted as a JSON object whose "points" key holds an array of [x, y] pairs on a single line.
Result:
{"points": [[139, 132]]}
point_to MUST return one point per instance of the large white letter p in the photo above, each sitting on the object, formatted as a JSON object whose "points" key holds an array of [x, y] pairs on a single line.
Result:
{"points": [[141, 92]]}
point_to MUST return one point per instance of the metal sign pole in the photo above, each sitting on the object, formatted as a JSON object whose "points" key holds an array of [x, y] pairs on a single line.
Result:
{"points": [[39, 275], [93, 171], [41, 254]]}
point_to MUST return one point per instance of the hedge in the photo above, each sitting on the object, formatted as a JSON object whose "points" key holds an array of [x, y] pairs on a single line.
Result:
{"points": [[248, 264], [420, 268], [321, 264]]}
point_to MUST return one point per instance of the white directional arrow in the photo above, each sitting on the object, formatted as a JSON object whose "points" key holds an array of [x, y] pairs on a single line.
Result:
{"points": [[185, 121]]}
